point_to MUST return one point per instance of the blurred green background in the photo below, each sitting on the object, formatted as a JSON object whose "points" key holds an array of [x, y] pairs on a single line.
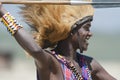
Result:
{"points": [[104, 45]]}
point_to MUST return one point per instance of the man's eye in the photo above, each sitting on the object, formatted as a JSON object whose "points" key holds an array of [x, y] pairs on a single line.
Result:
{"points": [[86, 28]]}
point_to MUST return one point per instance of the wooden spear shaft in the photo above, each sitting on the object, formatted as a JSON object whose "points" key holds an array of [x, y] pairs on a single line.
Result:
{"points": [[60, 2], [35, 2]]}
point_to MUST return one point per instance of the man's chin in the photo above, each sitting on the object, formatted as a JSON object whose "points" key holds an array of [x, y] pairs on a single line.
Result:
{"points": [[85, 49]]}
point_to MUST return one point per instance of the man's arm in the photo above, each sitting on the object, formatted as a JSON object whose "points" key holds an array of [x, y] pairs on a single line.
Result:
{"points": [[28, 43], [99, 73]]}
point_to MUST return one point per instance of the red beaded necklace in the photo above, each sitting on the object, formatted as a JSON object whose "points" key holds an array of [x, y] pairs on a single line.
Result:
{"points": [[70, 66]]}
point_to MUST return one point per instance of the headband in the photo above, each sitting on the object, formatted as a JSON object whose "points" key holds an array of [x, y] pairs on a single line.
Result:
{"points": [[80, 22]]}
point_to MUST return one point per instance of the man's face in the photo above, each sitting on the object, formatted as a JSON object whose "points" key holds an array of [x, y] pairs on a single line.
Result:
{"points": [[84, 35]]}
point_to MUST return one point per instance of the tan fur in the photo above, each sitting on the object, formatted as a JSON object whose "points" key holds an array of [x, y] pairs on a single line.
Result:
{"points": [[53, 22]]}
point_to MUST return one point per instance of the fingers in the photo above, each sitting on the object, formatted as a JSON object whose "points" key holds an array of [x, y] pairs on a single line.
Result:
{"points": [[0, 3]]}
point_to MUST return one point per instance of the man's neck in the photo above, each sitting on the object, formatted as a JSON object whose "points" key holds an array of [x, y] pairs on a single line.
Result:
{"points": [[67, 50]]}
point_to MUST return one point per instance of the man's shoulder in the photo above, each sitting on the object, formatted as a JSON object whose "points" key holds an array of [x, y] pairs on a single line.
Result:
{"points": [[86, 57]]}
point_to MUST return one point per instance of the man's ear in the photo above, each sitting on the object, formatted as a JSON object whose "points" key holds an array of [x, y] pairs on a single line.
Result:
{"points": [[71, 34]]}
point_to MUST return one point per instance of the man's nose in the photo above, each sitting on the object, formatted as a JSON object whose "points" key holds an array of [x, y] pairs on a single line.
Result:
{"points": [[90, 34]]}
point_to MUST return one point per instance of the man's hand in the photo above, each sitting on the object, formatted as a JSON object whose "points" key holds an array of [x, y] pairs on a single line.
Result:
{"points": [[0, 5], [2, 10]]}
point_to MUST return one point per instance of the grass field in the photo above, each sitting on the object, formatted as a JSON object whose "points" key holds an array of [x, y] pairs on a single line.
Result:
{"points": [[25, 70], [104, 48]]}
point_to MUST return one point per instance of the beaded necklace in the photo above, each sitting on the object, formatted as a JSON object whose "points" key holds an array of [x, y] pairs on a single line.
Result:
{"points": [[70, 66], [85, 70]]}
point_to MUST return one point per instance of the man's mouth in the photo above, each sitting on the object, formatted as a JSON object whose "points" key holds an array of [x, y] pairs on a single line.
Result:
{"points": [[86, 40]]}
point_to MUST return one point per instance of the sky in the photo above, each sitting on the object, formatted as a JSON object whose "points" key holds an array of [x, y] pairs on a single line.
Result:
{"points": [[106, 20]]}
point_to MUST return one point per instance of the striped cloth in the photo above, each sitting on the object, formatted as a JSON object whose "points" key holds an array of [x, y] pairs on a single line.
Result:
{"points": [[68, 75]]}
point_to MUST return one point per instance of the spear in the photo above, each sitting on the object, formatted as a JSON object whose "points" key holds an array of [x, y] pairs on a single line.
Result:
{"points": [[59, 2]]}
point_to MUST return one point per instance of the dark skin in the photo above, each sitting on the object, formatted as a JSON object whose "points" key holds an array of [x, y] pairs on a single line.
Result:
{"points": [[48, 67]]}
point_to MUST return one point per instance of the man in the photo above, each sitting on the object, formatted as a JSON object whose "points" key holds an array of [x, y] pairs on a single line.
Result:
{"points": [[65, 28]]}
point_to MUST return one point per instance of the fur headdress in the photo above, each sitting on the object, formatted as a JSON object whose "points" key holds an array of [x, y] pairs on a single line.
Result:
{"points": [[53, 22]]}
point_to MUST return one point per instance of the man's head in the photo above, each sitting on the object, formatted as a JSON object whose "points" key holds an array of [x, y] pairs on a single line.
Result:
{"points": [[53, 22], [80, 33]]}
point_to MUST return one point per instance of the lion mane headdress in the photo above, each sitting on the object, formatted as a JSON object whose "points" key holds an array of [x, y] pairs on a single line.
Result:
{"points": [[53, 22]]}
